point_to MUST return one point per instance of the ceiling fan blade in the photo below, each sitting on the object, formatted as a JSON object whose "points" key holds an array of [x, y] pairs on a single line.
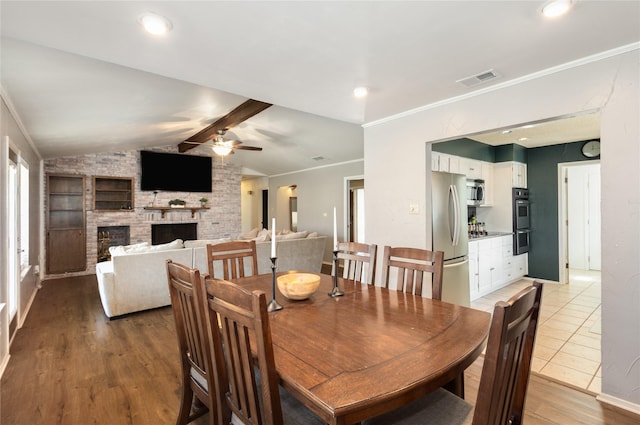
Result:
{"points": [[247, 148], [243, 112]]}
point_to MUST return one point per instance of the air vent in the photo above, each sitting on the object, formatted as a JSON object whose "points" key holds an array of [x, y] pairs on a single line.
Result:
{"points": [[318, 158], [483, 77]]}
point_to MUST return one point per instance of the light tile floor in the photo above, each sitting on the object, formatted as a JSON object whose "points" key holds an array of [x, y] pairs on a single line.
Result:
{"points": [[567, 347]]}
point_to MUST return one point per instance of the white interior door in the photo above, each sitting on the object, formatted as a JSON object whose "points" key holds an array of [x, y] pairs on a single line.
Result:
{"points": [[13, 230], [583, 195]]}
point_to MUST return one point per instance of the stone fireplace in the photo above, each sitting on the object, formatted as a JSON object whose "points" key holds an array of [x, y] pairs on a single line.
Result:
{"points": [[163, 233]]}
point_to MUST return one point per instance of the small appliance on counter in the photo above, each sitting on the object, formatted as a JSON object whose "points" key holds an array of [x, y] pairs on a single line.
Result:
{"points": [[476, 194]]}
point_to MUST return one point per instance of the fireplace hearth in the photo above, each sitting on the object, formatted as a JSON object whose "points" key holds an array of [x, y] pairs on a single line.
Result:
{"points": [[163, 233]]}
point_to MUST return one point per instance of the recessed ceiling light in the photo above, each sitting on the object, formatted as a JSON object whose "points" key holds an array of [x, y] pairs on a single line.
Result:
{"points": [[556, 8], [506, 131], [360, 91], [522, 139], [155, 24]]}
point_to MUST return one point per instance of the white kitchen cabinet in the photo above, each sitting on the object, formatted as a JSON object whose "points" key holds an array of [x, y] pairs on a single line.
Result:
{"points": [[473, 270], [519, 174], [492, 265], [445, 162], [471, 167]]}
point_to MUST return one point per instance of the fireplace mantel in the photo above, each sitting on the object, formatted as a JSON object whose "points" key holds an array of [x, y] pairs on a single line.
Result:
{"points": [[163, 210]]}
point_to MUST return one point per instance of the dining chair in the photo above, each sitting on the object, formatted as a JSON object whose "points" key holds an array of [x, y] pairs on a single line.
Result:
{"points": [[505, 373], [358, 261], [253, 393], [232, 256], [197, 370], [411, 265]]}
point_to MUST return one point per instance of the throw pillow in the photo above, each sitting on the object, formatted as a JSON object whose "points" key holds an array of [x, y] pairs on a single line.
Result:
{"points": [[251, 234]]}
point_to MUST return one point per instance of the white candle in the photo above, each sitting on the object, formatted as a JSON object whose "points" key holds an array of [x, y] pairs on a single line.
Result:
{"points": [[335, 231], [273, 237]]}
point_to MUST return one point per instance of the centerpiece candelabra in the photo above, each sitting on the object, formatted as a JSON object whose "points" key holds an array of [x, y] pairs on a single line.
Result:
{"points": [[336, 291], [273, 305]]}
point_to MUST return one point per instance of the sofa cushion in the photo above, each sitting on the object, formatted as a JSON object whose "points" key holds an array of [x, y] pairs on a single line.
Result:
{"points": [[204, 242], [292, 235], [128, 249], [176, 244]]}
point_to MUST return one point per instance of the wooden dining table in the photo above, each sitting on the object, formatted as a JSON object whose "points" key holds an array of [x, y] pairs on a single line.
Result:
{"points": [[370, 351]]}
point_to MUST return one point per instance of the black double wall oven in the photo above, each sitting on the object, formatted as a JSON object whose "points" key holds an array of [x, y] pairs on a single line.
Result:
{"points": [[521, 223]]}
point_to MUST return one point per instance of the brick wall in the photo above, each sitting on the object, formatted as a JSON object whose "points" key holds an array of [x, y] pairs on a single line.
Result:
{"points": [[223, 219]]}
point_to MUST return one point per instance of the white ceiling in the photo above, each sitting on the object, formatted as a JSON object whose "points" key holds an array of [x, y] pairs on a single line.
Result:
{"points": [[83, 77]]}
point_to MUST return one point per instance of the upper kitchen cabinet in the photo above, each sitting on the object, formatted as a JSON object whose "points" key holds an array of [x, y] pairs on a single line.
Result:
{"points": [[519, 174], [445, 162]]}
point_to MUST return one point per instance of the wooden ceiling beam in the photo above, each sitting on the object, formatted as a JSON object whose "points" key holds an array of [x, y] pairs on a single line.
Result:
{"points": [[243, 112]]}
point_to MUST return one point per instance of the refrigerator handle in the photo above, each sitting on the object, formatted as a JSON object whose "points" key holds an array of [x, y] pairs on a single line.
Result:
{"points": [[453, 191], [446, 266]]}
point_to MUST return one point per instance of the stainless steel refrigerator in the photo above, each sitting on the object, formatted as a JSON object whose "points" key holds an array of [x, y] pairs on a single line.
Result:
{"points": [[450, 233]]}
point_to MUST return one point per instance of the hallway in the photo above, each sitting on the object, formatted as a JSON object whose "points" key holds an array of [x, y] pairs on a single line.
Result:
{"points": [[568, 341]]}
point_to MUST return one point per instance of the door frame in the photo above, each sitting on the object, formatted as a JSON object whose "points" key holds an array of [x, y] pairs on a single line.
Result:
{"points": [[347, 205]]}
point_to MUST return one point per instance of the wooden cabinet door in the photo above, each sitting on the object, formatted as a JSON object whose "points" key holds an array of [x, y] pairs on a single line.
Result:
{"points": [[66, 246], [66, 251]]}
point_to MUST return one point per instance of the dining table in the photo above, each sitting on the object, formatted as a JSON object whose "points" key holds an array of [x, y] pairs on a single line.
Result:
{"points": [[369, 351]]}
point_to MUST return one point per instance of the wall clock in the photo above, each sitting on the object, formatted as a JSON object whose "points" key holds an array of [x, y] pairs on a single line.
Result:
{"points": [[591, 149]]}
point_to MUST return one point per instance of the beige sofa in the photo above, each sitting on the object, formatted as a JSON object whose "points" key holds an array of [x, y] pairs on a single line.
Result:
{"points": [[137, 280]]}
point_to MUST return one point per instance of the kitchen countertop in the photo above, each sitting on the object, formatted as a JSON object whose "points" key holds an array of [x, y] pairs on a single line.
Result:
{"points": [[489, 235]]}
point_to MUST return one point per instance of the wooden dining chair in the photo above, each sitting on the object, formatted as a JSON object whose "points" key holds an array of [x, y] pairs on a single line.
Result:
{"points": [[232, 257], [197, 370], [411, 265], [253, 393], [358, 261], [505, 373]]}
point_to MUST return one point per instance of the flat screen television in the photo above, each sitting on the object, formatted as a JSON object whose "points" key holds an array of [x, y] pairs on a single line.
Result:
{"points": [[175, 172]]}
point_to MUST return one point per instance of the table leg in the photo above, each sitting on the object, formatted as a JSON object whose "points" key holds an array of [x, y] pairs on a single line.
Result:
{"points": [[456, 386]]}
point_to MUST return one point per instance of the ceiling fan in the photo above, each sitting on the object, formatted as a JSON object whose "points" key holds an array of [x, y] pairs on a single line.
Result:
{"points": [[216, 131]]}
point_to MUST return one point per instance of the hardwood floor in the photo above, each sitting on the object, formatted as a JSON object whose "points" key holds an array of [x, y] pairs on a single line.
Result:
{"points": [[70, 365]]}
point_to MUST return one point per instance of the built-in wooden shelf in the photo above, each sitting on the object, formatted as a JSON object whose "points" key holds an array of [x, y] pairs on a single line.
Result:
{"points": [[112, 193], [163, 210]]}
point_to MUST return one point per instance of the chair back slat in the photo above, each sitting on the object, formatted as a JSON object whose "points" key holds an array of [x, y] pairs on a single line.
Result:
{"points": [[232, 257], [507, 364], [411, 265], [358, 261], [244, 324]]}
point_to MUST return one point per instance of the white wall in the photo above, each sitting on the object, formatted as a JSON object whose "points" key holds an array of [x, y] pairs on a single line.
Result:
{"points": [[10, 132], [396, 160], [318, 191]]}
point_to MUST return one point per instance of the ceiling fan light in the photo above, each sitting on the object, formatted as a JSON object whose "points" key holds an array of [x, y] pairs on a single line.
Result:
{"points": [[221, 149]]}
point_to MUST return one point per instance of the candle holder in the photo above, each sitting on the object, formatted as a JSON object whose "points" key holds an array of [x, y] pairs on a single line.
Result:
{"points": [[335, 292], [273, 305]]}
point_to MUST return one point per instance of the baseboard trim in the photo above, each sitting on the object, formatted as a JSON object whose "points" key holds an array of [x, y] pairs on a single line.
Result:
{"points": [[618, 402]]}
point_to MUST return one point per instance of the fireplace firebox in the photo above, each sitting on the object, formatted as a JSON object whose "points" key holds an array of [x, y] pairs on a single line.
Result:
{"points": [[163, 233]]}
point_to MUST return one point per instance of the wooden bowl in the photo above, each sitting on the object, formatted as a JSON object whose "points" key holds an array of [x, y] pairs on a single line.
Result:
{"points": [[298, 286]]}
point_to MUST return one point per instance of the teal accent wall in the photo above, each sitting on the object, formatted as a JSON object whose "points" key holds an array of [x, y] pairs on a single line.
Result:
{"points": [[471, 149], [512, 152], [542, 179], [466, 148]]}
